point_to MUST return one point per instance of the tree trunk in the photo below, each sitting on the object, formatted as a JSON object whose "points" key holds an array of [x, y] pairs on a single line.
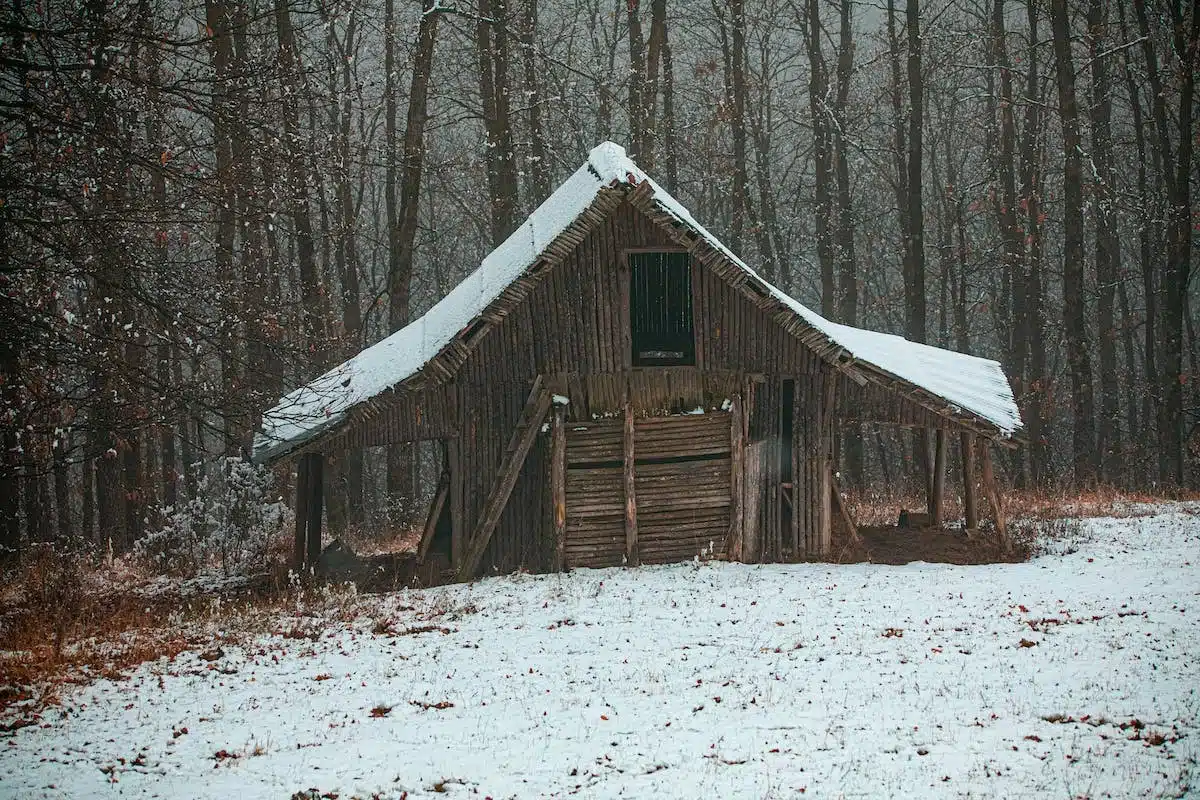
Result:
{"points": [[1079, 361], [1107, 251], [1036, 384], [1176, 175], [736, 86], [639, 131], [914, 250], [818, 88], [402, 234], [492, 46], [537, 166], [312, 313]]}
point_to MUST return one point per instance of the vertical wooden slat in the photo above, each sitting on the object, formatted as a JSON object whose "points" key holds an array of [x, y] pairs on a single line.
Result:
{"points": [[316, 470], [558, 484], [825, 471], [733, 545], [970, 502], [457, 520], [800, 461], [937, 497], [303, 491], [631, 532], [751, 529]]}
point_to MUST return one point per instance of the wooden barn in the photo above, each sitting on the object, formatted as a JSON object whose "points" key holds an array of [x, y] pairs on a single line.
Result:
{"points": [[613, 386]]}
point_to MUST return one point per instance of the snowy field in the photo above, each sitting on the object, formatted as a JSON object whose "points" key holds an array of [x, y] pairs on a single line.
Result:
{"points": [[1074, 675]]}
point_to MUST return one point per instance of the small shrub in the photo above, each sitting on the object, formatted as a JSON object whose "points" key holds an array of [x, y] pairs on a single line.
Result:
{"points": [[229, 524], [1055, 537]]}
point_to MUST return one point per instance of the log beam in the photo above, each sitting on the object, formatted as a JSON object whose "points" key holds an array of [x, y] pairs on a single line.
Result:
{"points": [[300, 543], [316, 481], [628, 479], [558, 485], [938, 484], [435, 514], [970, 499], [733, 543], [993, 495], [843, 509]]}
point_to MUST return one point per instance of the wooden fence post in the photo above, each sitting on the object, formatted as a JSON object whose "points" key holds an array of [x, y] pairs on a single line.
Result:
{"points": [[631, 531], [970, 501], [938, 485], [733, 544], [316, 477], [299, 545]]}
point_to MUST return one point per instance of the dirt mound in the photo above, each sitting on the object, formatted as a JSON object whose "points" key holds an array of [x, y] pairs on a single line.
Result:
{"points": [[893, 545]]}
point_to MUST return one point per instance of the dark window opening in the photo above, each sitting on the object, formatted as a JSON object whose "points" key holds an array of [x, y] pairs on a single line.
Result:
{"points": [[660, 309]]}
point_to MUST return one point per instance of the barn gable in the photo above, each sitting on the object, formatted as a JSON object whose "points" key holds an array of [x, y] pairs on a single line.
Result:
{"points": [[614, 386], [429, 352]]}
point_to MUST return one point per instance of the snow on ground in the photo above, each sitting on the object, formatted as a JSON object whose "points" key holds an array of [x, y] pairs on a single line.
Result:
{"points": [[713, 680]]}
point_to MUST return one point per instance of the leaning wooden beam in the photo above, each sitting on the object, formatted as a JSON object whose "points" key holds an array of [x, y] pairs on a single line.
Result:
{"points": [[938, 486], [558, 485], [993, 495], [506, 476], [435, 513], [970, 503], [842, 508], [631, 531]]}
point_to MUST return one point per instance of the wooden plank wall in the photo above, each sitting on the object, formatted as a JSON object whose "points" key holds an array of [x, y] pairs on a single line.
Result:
{"points": [[574, 329], [734, 334], [402, 417], [766, 427], [683, 507]]}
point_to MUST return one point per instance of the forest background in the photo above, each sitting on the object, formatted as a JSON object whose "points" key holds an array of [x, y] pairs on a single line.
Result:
{"points": [[203, 205]]}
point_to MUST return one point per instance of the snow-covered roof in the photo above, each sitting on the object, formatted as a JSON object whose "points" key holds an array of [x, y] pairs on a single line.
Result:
{"points": [[974, 385]]}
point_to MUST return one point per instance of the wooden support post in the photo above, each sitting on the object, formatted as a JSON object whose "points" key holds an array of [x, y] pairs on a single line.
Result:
{"points": [[938, 485], [300, 545], [921, 448], [316, 481], [519, 443], [631, 531], [993, 495], [970, 503], [825, 465], [435, 514], [798, 499], [733, 543], [558, 485], [753, 490]]}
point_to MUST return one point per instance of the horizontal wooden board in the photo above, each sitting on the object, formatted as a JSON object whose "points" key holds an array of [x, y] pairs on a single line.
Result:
{"points": [[595, 441]]}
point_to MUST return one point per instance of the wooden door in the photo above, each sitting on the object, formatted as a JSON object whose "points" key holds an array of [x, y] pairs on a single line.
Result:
{"points": [[682, 485]]}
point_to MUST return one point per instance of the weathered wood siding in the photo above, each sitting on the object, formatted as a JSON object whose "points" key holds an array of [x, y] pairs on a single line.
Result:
{"points": [[574, 328], [681, 486]]}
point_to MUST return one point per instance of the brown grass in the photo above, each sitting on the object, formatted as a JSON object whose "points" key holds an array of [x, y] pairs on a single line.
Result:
{"points": [[875, 508]]}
